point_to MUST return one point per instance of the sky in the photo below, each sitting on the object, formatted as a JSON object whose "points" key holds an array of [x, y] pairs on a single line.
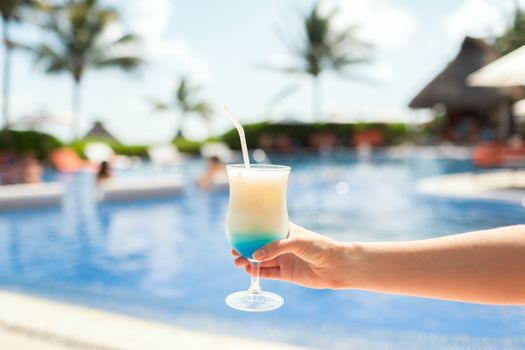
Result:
{"points": [[227, 46]]}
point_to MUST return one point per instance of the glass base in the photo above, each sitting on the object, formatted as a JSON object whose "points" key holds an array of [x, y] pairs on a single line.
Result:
{"points": [[245, 301]]}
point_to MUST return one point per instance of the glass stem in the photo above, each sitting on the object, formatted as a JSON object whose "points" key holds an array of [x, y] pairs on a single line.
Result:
{"points": [[255, 287]]}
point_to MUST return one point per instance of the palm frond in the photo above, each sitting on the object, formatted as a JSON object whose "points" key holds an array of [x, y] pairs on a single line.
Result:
{"points": [[11, 10], [514, 35], [127, 39], [341, 62], [161, 106], [52, 61], [127, 63], [203, 109]]}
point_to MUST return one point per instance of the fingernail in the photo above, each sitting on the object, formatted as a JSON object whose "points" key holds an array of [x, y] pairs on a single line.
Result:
{"points": [[259, 254]]}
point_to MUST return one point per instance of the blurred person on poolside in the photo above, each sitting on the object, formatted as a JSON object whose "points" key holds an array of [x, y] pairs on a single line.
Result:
{"points": [[17, 169], [104, 172], [214, 176], [486, 267], [8, 168], [30, 168]]}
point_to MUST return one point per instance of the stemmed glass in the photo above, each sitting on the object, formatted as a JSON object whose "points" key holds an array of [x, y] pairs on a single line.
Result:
{"points": [[256, 216]]}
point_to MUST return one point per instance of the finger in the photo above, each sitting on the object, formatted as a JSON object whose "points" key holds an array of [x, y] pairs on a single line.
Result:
{"points": [[234, 253], [270, 263], [243, 262], [273, 273], [276, 248]]}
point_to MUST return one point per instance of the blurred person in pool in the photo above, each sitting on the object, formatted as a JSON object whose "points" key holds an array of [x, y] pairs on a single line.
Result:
{"points": [[482, 267], [104, 172], [214, 176]]}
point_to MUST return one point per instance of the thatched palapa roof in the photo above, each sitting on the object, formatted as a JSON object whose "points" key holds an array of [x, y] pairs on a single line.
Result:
{"points": [[99, 131], [450, 88]]}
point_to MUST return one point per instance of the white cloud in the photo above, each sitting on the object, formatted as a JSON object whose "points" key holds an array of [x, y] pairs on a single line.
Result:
{"points": [[151, 21], [194, 63], [150, 18], [480, 18], [378, 71], [380, 21]]}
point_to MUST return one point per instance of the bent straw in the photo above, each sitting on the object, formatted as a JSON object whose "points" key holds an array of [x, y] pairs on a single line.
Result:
{"points": [[240, 130]]}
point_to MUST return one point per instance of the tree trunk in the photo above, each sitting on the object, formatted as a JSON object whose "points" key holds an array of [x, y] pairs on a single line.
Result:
{"points": [[317, 112], [75, 126], [179, 134], [6, 75]]}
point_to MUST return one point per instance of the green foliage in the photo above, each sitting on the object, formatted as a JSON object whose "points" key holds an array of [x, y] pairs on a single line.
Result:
{"points": [[182, 144], [39, 144], [393, 133], [125, 150], [131, 150], [514, 36], [187, 146]]}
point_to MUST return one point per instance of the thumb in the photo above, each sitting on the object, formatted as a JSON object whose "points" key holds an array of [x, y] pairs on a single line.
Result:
{"points": [[276, 248]]}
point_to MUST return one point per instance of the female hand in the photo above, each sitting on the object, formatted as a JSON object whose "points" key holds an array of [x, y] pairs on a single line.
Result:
{"points": [[305, 258]]}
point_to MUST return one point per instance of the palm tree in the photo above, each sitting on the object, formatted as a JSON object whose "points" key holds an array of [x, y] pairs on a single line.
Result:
{"points": [[514, 36], [10, 11], [186, 102], [78, 27], [322, 48]]}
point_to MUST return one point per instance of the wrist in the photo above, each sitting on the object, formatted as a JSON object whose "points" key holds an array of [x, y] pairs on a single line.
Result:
{"points": [[355, 265]]}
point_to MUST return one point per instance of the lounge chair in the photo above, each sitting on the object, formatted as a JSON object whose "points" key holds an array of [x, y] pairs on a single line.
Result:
{"points": [[25, 196], [124, 189], [164, 155], [217, 149], [98, 152]]}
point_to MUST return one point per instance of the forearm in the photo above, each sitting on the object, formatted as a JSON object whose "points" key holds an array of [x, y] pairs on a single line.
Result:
{"points": [[484, 267]]}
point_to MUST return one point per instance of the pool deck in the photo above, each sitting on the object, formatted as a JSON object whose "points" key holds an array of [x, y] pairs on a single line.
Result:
{"points": [[498, 185], [28, 322]]}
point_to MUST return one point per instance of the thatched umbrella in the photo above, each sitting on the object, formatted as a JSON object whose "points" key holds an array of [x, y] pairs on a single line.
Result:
{"points": [[99, 132], [450, 89]]}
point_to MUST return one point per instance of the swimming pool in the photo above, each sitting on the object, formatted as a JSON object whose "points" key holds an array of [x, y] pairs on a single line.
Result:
{"points": [[168, 259]]}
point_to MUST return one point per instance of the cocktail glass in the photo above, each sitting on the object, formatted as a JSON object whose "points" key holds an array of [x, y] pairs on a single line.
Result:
{"points": [[257, 215]]}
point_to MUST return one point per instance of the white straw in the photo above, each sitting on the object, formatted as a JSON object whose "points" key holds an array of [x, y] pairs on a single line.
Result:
{"points": [[240, 130]]}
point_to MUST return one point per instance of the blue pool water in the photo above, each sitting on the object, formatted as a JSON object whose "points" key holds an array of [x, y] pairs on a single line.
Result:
{"points": [[145, 258]]}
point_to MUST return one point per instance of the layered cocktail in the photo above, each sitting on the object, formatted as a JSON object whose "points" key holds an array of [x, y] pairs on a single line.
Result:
{"points": [[257, 215], [257, 211]]}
